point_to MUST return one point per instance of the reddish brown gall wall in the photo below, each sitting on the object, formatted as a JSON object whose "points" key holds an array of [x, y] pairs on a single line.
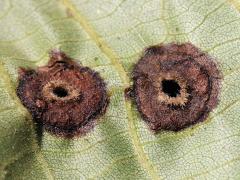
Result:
{"points": [[175, 86], [64, 97]]}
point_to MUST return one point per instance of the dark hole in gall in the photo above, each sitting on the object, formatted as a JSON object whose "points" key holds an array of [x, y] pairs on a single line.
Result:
{"points": [[171, 88], [60, 92]]}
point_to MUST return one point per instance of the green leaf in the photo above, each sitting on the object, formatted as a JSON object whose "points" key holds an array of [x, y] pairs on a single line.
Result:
{"points": [[109, 36]]}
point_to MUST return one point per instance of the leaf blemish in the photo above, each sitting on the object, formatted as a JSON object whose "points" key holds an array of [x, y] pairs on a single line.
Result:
{"points": [[129, 94], [175, 86], [64, 97]]}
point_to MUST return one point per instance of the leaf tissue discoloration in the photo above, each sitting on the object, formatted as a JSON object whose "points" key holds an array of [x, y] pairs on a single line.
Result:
{"points": [[64, 97], [175, 86]]}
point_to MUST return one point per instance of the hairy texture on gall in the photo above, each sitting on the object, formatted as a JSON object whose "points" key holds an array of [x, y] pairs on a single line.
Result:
{"points": [[63, 96], [175, 86]]}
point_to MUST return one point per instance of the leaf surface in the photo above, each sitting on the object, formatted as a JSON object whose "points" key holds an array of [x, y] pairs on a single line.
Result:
{"points": [[110, 36]]}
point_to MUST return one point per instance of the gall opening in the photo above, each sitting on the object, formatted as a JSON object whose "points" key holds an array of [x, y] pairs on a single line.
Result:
{"points": [[171, 88], [60, 92]]}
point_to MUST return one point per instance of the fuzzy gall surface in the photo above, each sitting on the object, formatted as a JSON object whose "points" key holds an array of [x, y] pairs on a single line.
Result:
{"points": [[64, 97], [175, 86]]}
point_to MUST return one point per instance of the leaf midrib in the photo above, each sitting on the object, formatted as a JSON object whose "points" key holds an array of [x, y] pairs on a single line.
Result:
{"points": [[113, 57]]}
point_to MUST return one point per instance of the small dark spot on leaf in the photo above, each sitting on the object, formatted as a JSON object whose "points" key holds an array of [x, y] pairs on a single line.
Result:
{"points": [[64, 97], [129, 94], [175, 86], [96, 58], [69, 13]]}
